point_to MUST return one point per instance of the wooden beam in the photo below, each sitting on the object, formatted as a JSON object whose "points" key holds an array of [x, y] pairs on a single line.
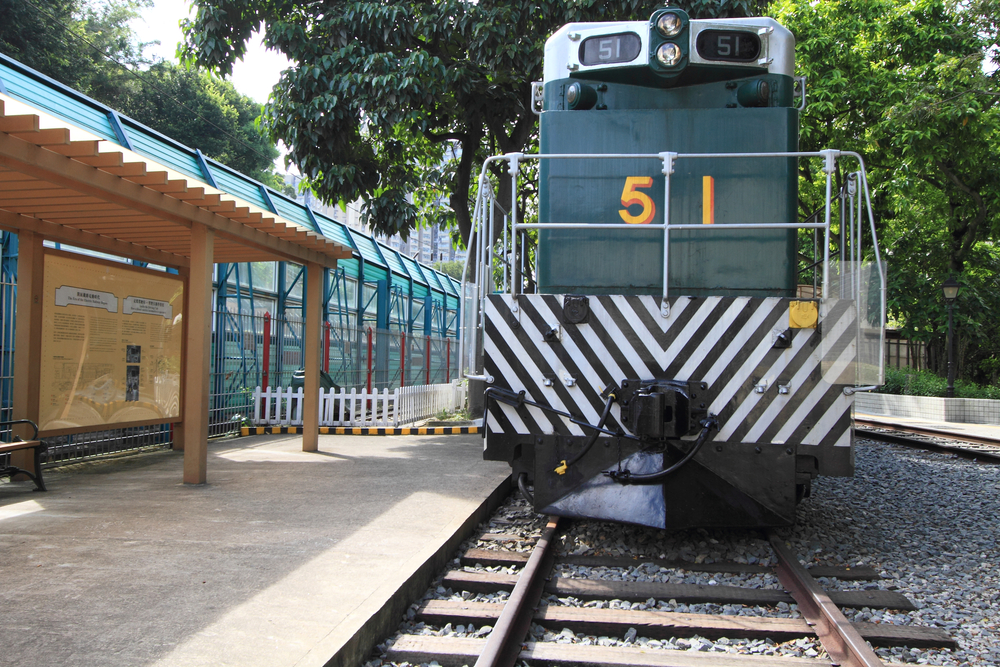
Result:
{"points": [[127, 169], [310, 400], [28, 325], [26, 123], [40, 163], [197, 355], [55, 135], [30, 198], [103, 160], [89, 240], [77, 148], [65, 210], [224, 205], [150, 178], [666, 624], [593, 589], [28, 336], [27, 184], [171, 186], [193, 195], [448, 651]]}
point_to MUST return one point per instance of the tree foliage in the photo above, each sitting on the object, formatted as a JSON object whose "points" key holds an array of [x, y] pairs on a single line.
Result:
{"points": [[904, 83], [73, 41], [379, 89], [89, 46], [202, 111]]}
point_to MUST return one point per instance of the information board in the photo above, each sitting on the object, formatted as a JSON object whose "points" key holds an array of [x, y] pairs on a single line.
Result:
{"points": [[111, 345]]}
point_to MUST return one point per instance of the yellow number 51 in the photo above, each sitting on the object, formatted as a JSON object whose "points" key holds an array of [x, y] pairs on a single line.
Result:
{"points": [[630, 197]]}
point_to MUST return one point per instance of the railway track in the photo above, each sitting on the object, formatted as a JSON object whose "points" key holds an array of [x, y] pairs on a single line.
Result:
{"points": [[986, 450], [508, 642]]}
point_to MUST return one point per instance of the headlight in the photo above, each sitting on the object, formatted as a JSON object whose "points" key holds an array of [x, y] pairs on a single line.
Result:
{"points": [[668, 54], [669, 24], [572, 94]]}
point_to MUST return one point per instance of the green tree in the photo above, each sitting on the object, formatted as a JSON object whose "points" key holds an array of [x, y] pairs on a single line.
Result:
{"points": [[378, 89], [73, 41], [89, 46], [453, 269], [903, 83], [204, 112]]}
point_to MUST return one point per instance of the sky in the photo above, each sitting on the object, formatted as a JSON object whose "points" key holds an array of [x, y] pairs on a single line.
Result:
{"points": [[253, 76]]}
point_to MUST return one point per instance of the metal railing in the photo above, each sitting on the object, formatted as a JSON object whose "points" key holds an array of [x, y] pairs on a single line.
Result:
{"points": [[856, 206]]}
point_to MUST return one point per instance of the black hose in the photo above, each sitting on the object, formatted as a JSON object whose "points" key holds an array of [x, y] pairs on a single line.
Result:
{"points": [[591, 440], [522, 485], [625, 477], [517, 400]]}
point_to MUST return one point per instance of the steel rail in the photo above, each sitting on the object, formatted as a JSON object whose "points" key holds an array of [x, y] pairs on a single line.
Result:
{"points": [[974, 454], [504, 644], [840, 639]]}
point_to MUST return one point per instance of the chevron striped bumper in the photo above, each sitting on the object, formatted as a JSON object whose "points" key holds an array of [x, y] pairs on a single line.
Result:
{"points": [[774, 378]]}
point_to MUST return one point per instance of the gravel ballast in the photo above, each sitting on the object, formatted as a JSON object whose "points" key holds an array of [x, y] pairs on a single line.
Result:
{"points": [[925, 521]]}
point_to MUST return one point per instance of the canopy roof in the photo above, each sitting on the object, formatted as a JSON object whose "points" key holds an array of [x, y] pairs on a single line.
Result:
{"points": [[71, 186]]}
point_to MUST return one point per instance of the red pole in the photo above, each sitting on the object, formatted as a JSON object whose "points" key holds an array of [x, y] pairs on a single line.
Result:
{"points": [[402, 359], [267, 359], [369, 360], [428, 355], [447, 363], [267, 346], [326, 347]]}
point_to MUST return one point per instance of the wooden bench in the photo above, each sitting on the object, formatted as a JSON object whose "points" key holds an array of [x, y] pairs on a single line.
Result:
{"points": [[12, 450]]}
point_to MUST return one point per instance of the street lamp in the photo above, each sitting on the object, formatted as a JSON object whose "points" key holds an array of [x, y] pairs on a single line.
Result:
{"points": [[950, 288]]}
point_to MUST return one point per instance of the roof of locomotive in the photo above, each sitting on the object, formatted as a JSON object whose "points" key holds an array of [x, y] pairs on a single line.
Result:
{"points": [[562, 52]]}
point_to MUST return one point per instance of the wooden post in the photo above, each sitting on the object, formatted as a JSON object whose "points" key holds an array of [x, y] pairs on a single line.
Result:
{"points": [[28, 340], [311, 336], [197, 355]]}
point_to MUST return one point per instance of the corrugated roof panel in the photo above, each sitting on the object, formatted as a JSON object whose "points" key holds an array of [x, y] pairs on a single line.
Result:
{"points": [[432, 279], [45, 93], [448, 283], [414, 269], [452, 302], [163, 152], [293, 211], [332, 229], [420, 291], [366, 246], [239, 185], [392, 259]]}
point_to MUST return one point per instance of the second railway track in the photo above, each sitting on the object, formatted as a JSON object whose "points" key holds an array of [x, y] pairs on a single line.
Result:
{"points": [[965, 446]]}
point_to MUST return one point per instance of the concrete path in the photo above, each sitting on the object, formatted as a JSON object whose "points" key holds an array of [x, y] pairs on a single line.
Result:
{"points": [[945, 428], [284, 558]]}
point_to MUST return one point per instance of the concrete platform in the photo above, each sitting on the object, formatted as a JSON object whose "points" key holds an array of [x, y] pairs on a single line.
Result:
{"points": [[942, 427], [284, 558]]}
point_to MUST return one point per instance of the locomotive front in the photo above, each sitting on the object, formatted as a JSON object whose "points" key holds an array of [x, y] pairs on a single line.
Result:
{"points": [[666, 373]]}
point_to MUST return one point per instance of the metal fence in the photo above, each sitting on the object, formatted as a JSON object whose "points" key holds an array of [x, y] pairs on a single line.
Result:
{"points": [[340, 407], [258, 350], [251, 351]]}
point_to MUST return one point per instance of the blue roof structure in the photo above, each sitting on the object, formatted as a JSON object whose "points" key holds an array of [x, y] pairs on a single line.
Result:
{"points": [[37, 90]]}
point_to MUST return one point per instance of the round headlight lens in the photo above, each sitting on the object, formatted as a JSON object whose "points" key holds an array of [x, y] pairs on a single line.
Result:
{"points": [[572, 94], [669, 24], [668, 54]]}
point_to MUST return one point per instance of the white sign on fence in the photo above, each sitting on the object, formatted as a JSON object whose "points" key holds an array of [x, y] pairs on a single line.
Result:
{"points": [[277, 406]]}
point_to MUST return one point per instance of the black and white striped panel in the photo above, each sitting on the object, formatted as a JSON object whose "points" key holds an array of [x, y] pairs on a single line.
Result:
{"points": [[725, 342]]}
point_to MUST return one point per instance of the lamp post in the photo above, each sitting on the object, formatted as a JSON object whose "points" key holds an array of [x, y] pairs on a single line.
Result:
{"points": [[950, 288]]}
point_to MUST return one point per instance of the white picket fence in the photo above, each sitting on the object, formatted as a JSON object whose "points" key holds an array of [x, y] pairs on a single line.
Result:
{"points": [[278, 406]]}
